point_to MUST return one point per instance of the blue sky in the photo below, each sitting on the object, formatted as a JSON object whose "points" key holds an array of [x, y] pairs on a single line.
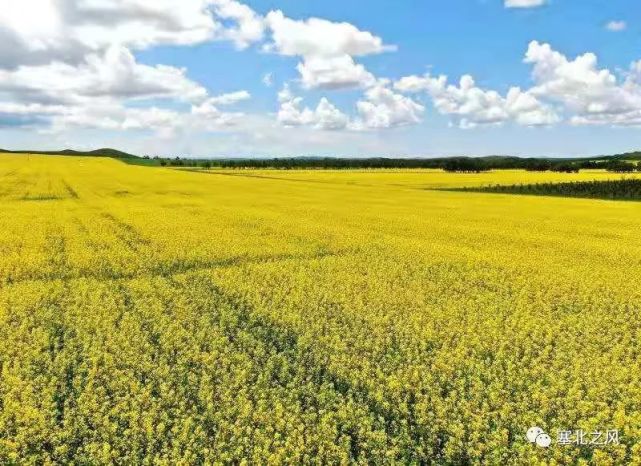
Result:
{"points": [[286, 78]]}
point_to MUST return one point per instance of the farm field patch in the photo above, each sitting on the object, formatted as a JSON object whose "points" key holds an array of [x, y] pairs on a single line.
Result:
{"points": [[170, 316]]}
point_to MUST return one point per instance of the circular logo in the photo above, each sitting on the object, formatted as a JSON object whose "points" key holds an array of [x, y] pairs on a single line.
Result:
{"points": [[543, 440], [537, 435], [533, 433]]}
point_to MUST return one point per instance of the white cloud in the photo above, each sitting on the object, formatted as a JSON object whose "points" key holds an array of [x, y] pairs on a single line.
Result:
{"points": [[628, 119], [113, 115], [527, 110], [616, 26], [138, 23], [383, 108], [339, 72], [319, 37], [75, 64], [250, 26], [72, 65], [327, 49], [70, 85], [326, 116], [114, 74], [161, 120], [95, 94], [588, 95], [633, 79], [524, 3], [473, 106], [15, 108], [38, 31], [229, 99], [210, 117], [290, 113], [285, 94], [41, 31], [591, 94]]}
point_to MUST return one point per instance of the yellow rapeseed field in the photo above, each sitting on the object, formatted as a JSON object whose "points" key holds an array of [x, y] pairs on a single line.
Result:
{"points": [[158, 316]]}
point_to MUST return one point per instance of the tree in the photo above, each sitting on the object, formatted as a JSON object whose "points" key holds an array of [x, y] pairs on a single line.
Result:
{"points": [[619, 166], [539, 166], [565, 167], [465, 165]]}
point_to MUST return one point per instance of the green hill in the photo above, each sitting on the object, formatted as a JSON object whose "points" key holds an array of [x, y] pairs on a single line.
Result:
{"points": [[104, 152]]}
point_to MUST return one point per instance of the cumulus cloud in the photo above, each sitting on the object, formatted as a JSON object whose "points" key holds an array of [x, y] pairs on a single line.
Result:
{"points": [[333, 73], [585, 93], [72, 64], [325, 116], [40, 31], [633, 79], [95, 94], [591, 93], [114, 115], [228, 99], [249, 27], [524, 3], [328, 117], [34, 32], [327, 49], [473, 106], [319, 37], [616, 26], [383, 108], [113, 74], [211, 117], [380, 108], [268, 79]]}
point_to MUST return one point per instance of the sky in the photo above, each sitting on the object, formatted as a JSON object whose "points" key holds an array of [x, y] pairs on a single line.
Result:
{"points": [[278, 78]]}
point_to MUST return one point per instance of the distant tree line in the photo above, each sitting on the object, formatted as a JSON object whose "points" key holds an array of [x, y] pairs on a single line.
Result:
{"points": [[620, 163], [178, 162], [451, 164], [623, 189], [621, 166]]}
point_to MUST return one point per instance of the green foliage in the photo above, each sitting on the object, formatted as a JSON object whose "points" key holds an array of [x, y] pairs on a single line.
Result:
{"points": [[539, 166], [465, 165], [625, 189], [104, 152], [565, 167], [619, 166]]}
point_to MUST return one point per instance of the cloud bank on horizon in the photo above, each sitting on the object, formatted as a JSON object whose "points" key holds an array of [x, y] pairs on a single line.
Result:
{"points": [[72, 69]]}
